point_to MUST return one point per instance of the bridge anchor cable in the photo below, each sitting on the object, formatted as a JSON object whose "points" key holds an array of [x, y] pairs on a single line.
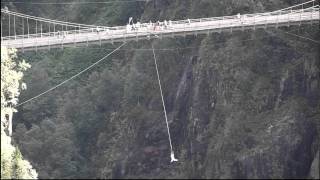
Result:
{"points": [[72, 77]]}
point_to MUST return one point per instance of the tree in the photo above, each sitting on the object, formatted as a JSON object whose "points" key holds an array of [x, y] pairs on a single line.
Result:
{"points": [[12, 163], [11, 75]]}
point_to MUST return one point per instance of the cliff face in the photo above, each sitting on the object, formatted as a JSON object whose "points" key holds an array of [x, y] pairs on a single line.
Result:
{"points": [[244, 108], [240, 105], [241, 110]]}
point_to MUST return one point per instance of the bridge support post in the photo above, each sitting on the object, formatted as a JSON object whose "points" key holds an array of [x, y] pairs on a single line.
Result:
{"points": [[301, 11], [111, 38], [277, 25], [266, 22], [289, 18], [136, 36], [36, 44], [28, 27], [87, 40], [14, 27], [74, 39], [312, 12], [9, 24], [22, 45], [22, 26]]}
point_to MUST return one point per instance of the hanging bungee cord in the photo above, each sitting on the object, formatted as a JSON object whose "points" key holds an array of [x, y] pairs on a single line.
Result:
{"points": [[173, 159]]}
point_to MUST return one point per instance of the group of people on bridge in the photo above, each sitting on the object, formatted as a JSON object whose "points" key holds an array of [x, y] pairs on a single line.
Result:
{"points": [[131, 26], [148, 26]]}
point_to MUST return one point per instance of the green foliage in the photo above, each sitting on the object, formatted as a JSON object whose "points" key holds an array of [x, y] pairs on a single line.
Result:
{"points": [[11, 75], [12, 164], [99, 124]]}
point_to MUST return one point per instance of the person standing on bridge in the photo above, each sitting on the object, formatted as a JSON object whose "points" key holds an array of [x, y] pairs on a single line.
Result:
{"points": [[149, 26], [6, 8], [240, 18], [130, 20], [138, 25], [165, 24], [129, 27], [98, 29], [238, 15], [65, 34]]}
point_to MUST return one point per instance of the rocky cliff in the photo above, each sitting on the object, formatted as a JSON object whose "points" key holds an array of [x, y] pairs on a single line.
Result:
{"points": [[240, 105]]}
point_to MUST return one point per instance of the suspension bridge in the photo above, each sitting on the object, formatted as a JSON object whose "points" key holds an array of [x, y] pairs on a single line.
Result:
{"points": [[28, 32]]}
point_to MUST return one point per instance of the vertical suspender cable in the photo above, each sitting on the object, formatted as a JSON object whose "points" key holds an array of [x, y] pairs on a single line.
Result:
{"points": [[164, 107], [1, 29], [14, 27], [22, 26], [28, 27], [22, 34], [9, 25], [36, 36]]}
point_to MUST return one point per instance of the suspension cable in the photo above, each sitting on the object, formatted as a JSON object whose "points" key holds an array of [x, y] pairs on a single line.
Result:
{"points": [[318, 42], [72, 77]]}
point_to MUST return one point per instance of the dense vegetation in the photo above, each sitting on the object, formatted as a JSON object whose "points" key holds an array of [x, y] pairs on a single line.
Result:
{"points": [[240, 105], [13, 166]]}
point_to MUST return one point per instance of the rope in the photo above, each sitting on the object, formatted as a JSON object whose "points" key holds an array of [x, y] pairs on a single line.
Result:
{"points": [[72, 77], [164, 106], [318, 42], [308, 2]]}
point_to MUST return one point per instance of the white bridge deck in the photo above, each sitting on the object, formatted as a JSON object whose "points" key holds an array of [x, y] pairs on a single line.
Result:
{"points": [[176, 28]]}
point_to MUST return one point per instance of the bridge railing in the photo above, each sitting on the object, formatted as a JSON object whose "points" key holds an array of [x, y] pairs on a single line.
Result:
{"points": [[178, 25]]}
